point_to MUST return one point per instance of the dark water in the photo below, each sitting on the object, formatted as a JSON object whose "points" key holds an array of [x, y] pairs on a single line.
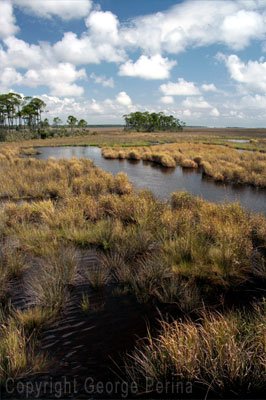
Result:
{"points": [[163, 181]]}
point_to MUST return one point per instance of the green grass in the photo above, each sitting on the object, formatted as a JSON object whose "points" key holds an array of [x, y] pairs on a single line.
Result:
{"points": [[85, 304]]}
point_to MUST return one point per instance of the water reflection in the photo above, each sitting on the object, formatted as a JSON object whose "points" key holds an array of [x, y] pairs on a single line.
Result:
{"points": [[238, 140], [163, 181], [132, 162], [159, 167]]}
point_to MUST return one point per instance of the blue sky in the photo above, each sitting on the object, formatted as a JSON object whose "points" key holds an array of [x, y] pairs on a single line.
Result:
{"points": [[202, 61]]}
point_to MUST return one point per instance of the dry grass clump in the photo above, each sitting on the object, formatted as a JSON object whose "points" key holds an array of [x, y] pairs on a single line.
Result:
{"points": [[222, 354], [223, 163], [49, 287], [18, 356], [33, 319], [123, 207], [28, 151], [198, 160], [146, 155], [183, 199], [109, 153], [121, 155], [168, 161], [133, 155], [156, 157], [186, 163], [207, 168], [30, 178], [11, 266], [122, 184], [143, 278]]}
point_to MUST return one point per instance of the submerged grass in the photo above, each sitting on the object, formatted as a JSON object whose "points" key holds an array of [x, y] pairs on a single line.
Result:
{"points": [[49, 287]]}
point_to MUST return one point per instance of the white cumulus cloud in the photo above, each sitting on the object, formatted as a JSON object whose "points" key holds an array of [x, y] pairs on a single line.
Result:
{"points": [[215, 112], [9, 77], [198, 102], [102, 80], [167, 99], [242, 26], [124, 99], [65, 9], [92, 110], [209, 87], [87, 49], [7, 20], [104, 26], [181, 88], [154, 67], [198, 23], [21, 54], [251, 74], [59, 78]]}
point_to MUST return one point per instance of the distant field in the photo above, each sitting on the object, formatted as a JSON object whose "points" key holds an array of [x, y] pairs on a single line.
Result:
{"points": [[235, 132], [118, 137]]}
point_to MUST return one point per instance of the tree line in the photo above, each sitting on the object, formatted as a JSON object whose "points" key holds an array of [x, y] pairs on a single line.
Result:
{"points": [[150, 122], [17, 111]]}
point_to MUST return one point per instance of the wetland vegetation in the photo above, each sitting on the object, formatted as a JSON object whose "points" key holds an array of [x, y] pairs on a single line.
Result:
{"points": [[223, 164], [70, 230]]}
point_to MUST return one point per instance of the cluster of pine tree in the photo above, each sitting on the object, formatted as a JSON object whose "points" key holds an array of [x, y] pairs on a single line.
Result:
{"points": [[18, 112], [151, 122]]}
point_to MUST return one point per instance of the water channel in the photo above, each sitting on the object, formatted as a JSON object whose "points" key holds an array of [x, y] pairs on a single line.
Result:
{"points": [[163, 181]]}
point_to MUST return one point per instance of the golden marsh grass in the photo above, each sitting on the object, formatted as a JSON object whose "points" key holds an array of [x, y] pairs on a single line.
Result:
{"points": [[186, 252]]}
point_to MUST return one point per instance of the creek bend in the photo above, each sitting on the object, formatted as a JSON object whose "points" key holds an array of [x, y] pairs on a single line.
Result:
{"points": [[163, 181]]}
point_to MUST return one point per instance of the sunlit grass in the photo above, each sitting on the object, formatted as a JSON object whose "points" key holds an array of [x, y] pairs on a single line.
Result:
{"points": [[18, 344], [221, 354], [224, 164], [186, 252], [85, 303]]}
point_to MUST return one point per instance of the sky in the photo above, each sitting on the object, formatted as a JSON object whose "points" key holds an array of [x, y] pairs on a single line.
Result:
{"points": [[202, 61]]}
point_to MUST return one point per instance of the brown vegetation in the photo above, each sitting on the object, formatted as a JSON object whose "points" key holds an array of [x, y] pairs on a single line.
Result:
{"points": [[188, 253], [222, 163]]}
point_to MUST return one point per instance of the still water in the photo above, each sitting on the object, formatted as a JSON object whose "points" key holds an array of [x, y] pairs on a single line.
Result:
{"points": [[238, 140], [163, 181]]}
